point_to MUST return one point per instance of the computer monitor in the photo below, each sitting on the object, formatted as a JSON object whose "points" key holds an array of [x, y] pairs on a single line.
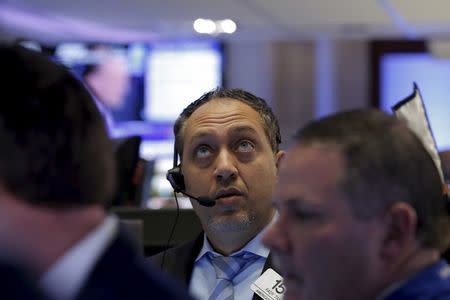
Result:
{"points": [[397, 65], [165, 76], [177, 73]]}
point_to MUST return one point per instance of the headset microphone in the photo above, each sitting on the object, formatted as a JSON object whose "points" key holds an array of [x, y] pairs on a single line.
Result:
{"points": [[205, 201]]}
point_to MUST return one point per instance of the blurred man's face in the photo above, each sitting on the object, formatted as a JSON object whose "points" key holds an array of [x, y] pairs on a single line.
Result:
{"points": [[322, 250], [111, 81], [227, 156]]}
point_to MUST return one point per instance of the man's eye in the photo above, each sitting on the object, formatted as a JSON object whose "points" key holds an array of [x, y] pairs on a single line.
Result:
{"points": [[202, 152], [245, 146]]}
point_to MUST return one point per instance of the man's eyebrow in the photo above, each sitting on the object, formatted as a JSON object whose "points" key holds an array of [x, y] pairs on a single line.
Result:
{"points": [[200, 134], [239, 129], [243, 129]]}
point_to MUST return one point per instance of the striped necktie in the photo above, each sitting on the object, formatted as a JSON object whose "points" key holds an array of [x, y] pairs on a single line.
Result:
{"points": [[227, 268]]}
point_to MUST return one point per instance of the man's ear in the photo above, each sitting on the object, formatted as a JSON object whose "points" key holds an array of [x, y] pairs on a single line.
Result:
{"points": [[278, 158], [400, 228]]}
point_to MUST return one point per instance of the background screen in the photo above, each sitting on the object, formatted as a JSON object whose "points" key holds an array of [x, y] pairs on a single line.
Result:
{"points": [[398, 71]]}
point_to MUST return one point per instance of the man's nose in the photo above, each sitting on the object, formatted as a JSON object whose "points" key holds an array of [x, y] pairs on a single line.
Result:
{"points": [[225, 166]]}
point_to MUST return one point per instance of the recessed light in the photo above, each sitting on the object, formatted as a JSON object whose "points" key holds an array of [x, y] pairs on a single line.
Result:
{"points": [[227, 26], [206, 26]]}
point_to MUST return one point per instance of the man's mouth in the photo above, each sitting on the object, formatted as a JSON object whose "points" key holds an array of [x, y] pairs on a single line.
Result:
{"points": [[227, 194]]}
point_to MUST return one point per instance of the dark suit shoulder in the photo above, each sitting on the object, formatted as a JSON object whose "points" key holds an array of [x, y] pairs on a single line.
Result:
{"points": [[179, 260], [17, 283], [174, 252], [121, 273]]}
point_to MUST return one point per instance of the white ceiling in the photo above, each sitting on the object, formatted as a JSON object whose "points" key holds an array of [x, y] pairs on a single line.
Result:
{"points": [[145, 20]]}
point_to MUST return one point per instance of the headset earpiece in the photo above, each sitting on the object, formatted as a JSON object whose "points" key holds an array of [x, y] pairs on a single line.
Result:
{"points": [[174, 175], [176, 179]]}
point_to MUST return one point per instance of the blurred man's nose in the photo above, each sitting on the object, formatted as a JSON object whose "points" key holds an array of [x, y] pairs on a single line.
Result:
{"points": [[275, 237]]}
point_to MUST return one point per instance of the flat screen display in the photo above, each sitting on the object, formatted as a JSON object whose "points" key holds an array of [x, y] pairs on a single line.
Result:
{"points": [[398, 71], [163, 78], [177, 73]]}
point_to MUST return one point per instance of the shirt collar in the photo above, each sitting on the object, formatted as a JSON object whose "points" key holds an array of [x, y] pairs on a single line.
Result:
{"points": [[68, 273]]}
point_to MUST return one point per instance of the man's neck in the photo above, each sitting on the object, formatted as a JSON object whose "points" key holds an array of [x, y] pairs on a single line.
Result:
{"points": [[229, 242], [415, 262], [49, 233]]}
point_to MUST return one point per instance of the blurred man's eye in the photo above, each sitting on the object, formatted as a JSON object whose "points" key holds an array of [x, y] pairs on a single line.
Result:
{"points": [[303, 216]]}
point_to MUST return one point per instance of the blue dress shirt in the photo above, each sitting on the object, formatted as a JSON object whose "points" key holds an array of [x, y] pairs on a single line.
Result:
{"points": [[203, 279]]}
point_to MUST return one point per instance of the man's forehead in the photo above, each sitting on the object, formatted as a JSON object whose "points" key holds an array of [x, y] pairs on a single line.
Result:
{"points": [[229, 114], [313, 166], [223, 104], [313, 154]]}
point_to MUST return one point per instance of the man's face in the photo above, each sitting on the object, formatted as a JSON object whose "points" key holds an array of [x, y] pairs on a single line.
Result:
{"points": [[227, 156], [322, 250]]}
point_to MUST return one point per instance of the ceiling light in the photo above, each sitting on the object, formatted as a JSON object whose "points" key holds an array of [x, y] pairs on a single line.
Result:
{"points": [[206, 26], [227, 26]]}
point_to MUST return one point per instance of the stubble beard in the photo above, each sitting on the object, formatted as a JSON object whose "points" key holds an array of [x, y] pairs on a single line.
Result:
{"points": [[231, 223]]}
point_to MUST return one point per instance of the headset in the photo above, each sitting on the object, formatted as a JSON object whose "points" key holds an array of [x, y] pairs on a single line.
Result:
{"points": [[176, 179], [174, 175]]}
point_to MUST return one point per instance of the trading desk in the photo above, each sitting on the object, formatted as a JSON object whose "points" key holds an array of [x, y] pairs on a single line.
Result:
{"points": [[157, 224]]}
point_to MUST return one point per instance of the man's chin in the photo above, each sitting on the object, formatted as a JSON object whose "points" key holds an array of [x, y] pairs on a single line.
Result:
{"points": [[295, 288], [229, 222]]}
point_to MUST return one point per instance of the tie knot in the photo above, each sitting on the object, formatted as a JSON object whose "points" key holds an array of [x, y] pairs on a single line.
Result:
{"points": [[227, 267]]}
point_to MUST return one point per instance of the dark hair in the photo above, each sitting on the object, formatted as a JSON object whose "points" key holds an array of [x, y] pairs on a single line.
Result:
{"points": [[268, 119], [385, 163], [55, 150]]}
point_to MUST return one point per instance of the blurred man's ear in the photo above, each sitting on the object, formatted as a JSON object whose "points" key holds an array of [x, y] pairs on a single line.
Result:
{"points": [[400, 227], [278, 158]]}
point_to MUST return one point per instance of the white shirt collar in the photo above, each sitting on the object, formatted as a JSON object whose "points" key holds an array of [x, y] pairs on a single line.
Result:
{"points": [[67, 275], [254, 246]]}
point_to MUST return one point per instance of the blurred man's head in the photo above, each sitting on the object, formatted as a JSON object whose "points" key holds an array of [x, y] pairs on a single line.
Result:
{"points": [[361, 207], [56, 161], [55, 151]]}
